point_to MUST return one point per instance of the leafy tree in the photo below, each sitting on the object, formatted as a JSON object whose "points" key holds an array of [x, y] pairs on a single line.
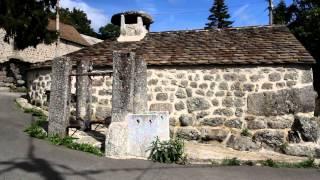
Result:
{"points": [[219, 16], [281, 13], [26, 22], [304, 22], [109, 31], [77, 18]]}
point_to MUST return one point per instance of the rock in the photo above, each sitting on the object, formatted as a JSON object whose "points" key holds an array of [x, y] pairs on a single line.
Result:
{"points": [[280, 122], [239, 93], [197, 104], [248, 87], [306, 150], [269, 139], [236, 86], [215, 102], [184, 83], [181, 94], [306, 77], [203, 86], [238, 102], [153, 82], [209, 93], [188, 133], [223, 112], [291, 76], [227, 102], [294, 137], [281, 85], [103, 112], [162, 107], [223, 86], [200, 92], [256, 78], [162, 97], [239, 112], [230, 77], [214, 122], [242, 143], [212, 85], [179, 106], [220, 93], [186, 120], [189, 92], [234, 123], [291, 83], [286, 101], [256, 124], [274, 77], [208, 77], [21, 82], [308, 127], [267, 86], [202, 115], [209, 134], [193, 85]]}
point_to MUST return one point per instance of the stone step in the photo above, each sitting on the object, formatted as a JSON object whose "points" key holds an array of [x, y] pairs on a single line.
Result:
{"points": [[4, 89]]}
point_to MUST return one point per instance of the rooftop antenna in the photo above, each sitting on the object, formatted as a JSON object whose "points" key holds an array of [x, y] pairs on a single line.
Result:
{"points": [[57, 27]]}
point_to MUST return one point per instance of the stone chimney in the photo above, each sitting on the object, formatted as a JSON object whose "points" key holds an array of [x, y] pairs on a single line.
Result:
{"points": [[134, 25]]}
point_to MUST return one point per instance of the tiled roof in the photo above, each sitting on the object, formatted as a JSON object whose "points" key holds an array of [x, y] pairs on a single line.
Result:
{"points": [[251, 45], [68, 32]]}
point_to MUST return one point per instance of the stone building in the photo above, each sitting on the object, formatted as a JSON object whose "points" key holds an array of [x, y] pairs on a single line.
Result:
{"points": [[248, 88], [14, 63]]}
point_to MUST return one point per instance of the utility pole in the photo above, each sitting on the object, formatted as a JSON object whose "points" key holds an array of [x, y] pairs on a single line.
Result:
{"points": [[270, 12], [57, 27]]}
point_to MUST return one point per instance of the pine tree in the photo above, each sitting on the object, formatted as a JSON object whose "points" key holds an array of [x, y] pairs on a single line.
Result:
{"points": [[26, 21], [219, 16], [280, 15]]}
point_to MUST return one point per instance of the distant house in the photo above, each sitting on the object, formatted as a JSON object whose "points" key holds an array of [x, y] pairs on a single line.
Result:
{"points": [[215, 84], [71, 40]]}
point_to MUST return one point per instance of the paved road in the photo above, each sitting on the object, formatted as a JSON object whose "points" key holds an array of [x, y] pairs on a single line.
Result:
{"points": [[23, 158]]}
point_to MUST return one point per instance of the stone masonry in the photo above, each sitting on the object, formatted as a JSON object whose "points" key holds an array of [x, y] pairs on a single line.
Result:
{"points": [[218, 103]]}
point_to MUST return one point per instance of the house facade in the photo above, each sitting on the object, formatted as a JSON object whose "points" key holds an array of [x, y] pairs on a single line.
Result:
{"points": [[14, 63], [248, 88]]}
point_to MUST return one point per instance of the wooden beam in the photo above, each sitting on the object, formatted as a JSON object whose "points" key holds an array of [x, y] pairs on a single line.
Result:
{"points": [[102, 73]]}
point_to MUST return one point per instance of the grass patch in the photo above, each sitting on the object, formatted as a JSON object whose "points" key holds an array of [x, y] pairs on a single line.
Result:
{"points": [[231, 162], [171, 151], [309, 163], [37, 113], [245, 132]]}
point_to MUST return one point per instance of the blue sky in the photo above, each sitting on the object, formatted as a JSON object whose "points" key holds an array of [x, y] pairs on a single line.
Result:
{"points": [[174, 14]]}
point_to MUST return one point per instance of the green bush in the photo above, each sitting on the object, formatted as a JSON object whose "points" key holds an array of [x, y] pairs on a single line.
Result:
{"points": [[171, 151], [309, 163], [231, 162], [36, 130]]}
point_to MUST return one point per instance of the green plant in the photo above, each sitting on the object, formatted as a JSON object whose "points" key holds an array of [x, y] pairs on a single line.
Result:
{"points": [[309, 163], [284, 146], [171, 151], [37, 113], [231, 162], [245, 132], [36, 131]]}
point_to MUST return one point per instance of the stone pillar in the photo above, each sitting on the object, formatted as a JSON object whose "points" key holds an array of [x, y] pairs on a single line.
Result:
{"points": [[59, 109], [83, 93], [140, 97], [122, 103]]}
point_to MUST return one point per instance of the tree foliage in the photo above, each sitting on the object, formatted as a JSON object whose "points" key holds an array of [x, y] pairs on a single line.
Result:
{"points": [[303, 19], [219, 16], [77, 18], [26, 21], [281, 13], [109, 31]]}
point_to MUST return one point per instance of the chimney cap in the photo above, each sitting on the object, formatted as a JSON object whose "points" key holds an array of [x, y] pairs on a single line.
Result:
{"points": [[131, 17]]}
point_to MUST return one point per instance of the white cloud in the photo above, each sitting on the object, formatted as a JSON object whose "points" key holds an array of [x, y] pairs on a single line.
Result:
{"points": [[243, 16], [97, 16]]}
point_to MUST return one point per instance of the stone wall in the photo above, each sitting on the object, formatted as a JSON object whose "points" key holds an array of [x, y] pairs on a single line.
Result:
{"points": [[41, 53], [244, 107]]}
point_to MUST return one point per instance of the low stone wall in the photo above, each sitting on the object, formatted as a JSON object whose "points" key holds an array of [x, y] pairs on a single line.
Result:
{"points": [[219, 103]]}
